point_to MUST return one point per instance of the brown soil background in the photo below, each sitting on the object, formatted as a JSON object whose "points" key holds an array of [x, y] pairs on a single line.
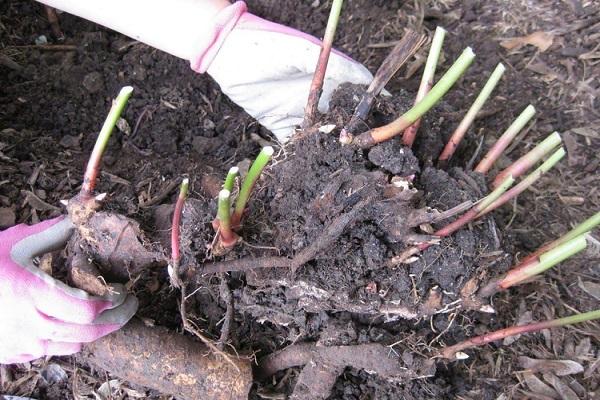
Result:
{"points": [[53, 103]]}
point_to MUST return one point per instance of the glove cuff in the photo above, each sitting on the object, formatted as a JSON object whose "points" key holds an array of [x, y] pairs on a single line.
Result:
{"points": [[211, 43]]}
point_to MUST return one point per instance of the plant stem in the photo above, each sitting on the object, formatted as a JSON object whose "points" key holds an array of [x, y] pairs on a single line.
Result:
{"points": [[545, 261], [469, 117], [91, 171], [584, 227], [227, 236], [405, 48], [378, 135], [254, 172], [230, 179], [426, 81], [316, 87], [521, 166], [502, 143], [527, 182], [451, 352], [472, 214], [175, 233]]}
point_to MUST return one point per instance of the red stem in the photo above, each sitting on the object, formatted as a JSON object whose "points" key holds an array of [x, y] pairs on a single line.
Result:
{"points": [[450, 352]]}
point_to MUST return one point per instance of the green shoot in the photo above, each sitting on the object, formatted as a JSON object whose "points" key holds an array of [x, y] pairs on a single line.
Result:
{"points": [[91, 171], [502, 143], [316, 86], [524, 163], [230, 179], [378, 135], [469, 117], [527, 182], [426, 81], [254, 173], [227, 237]]}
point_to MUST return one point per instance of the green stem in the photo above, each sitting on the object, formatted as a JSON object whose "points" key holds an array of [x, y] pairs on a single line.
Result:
{"points": [[523, 164], [254, 172], [525, 183], [469, 117], [584, 227], [502, 143], [410, 133], [378, 135], [230, 179], [224, 216], [472, 214], [316, 86], [546, 261], [452, 352], [91, 171]]}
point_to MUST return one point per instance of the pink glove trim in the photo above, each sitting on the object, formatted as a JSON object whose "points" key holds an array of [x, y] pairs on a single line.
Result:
{"points": [[236, 16], [213, 40]]}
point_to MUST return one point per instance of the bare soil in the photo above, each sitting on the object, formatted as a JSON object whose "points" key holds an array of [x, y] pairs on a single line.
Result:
{"points": [[179, 123]]}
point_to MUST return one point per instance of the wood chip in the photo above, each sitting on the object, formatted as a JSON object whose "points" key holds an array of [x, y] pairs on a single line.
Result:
{"points": [[36, 203]]}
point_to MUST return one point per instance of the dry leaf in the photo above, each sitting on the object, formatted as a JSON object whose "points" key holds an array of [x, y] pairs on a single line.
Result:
{"points": [[591, 288], [537, 386], [564, 391], [541, 40], [558, 367]]}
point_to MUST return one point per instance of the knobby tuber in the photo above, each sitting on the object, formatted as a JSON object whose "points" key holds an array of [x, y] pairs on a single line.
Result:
{"points": [[161, 359]]}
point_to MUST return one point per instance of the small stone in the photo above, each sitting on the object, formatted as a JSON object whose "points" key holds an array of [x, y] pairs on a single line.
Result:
{"points": [[208, 124], [93, 82], [71, 142], [139, 73]]}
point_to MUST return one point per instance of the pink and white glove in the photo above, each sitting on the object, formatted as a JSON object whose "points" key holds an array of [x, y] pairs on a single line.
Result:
{"points": [[267, 68], [40, 315]]}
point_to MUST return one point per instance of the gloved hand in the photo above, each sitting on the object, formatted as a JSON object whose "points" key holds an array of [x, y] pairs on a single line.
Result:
{"points": [[40, 315], [267, 68]]}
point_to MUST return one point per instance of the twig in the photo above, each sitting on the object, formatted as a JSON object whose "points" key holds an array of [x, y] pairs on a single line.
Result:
{"points": [[502, 143], [53, 20], [426, 81], [316, 87], [469, 117], [378, 135], [403, 50]]}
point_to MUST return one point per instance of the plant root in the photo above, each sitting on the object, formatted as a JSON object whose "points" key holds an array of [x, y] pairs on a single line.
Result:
{"points": [[322, 363]]}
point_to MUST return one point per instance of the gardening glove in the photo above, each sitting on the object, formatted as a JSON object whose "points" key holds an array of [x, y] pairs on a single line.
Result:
{"points": [[267, 68], [40, 315]]}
